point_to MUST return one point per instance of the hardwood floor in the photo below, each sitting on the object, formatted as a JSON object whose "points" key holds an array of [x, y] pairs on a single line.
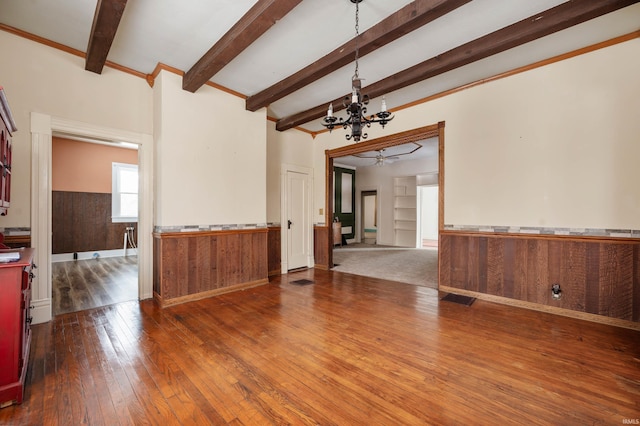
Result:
{"points": [[84, 284], [346, 350]]}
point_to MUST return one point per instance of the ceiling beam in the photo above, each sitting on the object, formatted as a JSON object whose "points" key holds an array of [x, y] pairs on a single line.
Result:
{"points": [[401, 23], [103, 30], [262, 16], [539, 25]]}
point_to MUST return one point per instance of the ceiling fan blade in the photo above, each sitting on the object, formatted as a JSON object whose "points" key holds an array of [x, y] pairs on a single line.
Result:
{"points": [[363, 155]]}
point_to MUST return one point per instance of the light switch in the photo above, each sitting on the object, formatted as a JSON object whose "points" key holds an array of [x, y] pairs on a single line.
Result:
{"points": [[321, 212]]}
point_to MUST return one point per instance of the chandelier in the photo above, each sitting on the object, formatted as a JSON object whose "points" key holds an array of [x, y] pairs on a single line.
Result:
{"points": [[356, 104]]}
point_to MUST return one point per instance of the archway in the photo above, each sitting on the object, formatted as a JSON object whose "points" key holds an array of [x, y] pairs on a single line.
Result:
{"points": [[435, 130]]}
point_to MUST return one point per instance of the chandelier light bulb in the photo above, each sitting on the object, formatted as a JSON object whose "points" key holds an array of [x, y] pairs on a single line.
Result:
{"points": [[383, 107], [330, 110]]}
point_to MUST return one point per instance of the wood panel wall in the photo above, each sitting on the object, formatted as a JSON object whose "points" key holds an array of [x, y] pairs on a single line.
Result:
{"points": [[597, 276], [274, 244], [190, 266], [81, 222], [321, 246], [17, 241]]}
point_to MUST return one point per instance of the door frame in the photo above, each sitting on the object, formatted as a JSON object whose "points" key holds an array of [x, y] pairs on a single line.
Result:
{"points": [[284, 200], [43, 127], [434, 130]]}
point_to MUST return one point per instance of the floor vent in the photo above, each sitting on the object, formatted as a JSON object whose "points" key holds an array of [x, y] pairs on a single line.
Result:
{"points": [[301, 282], [458, 298]]}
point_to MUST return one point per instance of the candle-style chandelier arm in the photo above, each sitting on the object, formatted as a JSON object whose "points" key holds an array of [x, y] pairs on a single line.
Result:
{"points": [[356, 116]]}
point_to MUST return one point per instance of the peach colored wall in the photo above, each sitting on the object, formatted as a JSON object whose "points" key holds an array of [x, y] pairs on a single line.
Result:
{"points": [[85, 167]]}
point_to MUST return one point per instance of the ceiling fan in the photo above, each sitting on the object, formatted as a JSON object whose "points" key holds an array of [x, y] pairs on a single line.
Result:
{"points": [[380, 157]]}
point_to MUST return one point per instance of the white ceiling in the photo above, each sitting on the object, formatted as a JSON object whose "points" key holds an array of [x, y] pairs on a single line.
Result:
{"points": [[428, 148], [178, 33]]}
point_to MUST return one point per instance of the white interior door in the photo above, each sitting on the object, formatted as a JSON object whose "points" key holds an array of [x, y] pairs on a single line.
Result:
{"points": [[297, 225]]}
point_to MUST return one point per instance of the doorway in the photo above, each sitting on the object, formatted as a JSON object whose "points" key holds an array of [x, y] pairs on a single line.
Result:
{"points": [[42, 128], [428, 216], [94, 217], [369, 207], [427, 132]]}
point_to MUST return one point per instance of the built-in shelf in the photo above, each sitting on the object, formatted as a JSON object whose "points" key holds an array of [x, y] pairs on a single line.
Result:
{"points": [[404, 211]]}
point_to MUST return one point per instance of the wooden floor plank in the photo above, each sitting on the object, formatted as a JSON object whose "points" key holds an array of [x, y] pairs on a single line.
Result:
{"points": [[343, 350], [155, 408], [172, 382], [120, 388], [202, 368]]}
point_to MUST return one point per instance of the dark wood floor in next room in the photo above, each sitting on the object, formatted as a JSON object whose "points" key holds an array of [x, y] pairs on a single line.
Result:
{"points": [[84, 284], [344, 350]]}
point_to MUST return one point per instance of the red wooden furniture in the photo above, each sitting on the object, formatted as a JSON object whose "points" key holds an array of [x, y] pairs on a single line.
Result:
{"points": [[15, 320], [7, 127]]}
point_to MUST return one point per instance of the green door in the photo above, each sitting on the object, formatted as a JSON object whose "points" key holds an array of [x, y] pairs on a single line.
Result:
{"points": [[344, 203]]}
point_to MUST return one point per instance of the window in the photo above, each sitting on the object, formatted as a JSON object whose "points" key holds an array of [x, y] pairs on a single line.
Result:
{"points": [[124, 192]]}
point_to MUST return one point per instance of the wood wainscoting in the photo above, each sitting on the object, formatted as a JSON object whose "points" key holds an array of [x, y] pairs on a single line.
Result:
{"points": [[17, 241], [597, 276], [81, 221], [320, 246], [194, 265], [274, 247]]}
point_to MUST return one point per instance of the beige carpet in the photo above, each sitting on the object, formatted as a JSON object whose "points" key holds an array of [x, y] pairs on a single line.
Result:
{"points": [[412, 266]]}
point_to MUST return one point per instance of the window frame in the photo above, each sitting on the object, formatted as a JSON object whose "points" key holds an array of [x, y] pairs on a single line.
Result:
{"points": [[116, 216]]}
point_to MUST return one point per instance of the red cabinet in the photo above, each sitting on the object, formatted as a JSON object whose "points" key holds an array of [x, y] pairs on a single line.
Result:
{"points": [[15, 321], [7, 127]]}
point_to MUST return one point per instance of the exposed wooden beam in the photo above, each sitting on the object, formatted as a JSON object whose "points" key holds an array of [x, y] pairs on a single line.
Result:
{"points": [[262, 16], [539, 25], [103, 30], [407, 19]]}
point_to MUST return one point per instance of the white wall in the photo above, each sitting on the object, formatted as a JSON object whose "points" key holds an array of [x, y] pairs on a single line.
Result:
{"points": [[381, 180], [557, 146], [37, 78], [292, 148], [211, 157]]}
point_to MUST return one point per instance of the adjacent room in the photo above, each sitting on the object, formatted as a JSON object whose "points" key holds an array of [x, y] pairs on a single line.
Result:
{"points": [[339, 212], [94, 192], [385, 213]]}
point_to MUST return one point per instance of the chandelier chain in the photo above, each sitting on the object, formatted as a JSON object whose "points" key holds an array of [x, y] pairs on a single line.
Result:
{"points": [[356, 75]]}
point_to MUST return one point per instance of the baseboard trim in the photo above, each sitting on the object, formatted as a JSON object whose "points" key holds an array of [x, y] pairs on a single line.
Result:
{"points": [[544, 308], [86, 255], [40, 311], [164, 303]]}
